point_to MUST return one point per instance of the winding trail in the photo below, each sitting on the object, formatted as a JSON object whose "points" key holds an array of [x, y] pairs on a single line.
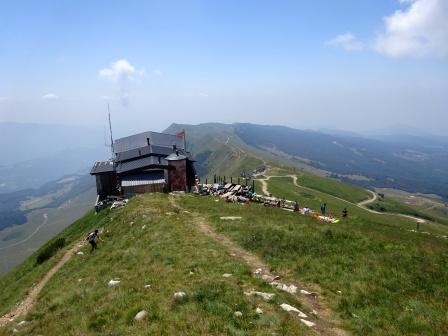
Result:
{"points": [[23, 307], [30, 236], [368, 201], [361, 205], [324, 318]]}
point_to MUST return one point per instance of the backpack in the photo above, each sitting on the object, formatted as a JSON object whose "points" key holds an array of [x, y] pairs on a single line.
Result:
{"points": [[91, 236]]}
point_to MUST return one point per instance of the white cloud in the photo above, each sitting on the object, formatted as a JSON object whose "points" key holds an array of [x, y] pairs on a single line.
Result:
{"points": [[347, 41], [118, 71], [419, 30], [122, 73], [50, 96]]}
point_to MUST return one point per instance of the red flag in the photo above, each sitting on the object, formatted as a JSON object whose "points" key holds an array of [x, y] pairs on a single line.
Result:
{"points": [[180, 134]]}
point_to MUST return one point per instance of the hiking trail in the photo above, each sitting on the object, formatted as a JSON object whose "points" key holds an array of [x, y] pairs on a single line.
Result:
{"points": [[325, 321], [362, 205], [24, 307]]}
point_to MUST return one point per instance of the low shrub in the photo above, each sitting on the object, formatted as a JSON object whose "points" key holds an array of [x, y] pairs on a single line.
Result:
{"points": [[49, 250]]}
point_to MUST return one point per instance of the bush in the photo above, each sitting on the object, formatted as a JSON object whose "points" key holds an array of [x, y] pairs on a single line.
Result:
{"points": [[49, 250]]}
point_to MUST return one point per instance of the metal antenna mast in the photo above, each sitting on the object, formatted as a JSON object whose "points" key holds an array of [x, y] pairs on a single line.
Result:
{"points": [[110, 129], [105, 139]]}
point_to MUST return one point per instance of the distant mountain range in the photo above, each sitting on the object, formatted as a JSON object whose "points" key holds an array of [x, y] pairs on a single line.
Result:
{"points": [[25, 141], [34, 154], [410, 163]]}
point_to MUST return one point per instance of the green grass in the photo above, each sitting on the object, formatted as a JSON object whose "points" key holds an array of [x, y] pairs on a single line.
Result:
{"points": [[393, 282], [283, 187], [325, 185], [345, 191], [15, 284], [77, 300], [390, 205], [258, 189], [440, 211]]}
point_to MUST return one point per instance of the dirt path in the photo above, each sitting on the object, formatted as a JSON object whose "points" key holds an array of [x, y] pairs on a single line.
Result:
{"points": [[325, 322], [368, 201], [264, 186], [27, 303], [361, 205]]}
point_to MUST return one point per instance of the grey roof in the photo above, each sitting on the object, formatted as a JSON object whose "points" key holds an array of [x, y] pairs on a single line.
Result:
{"points": [[123, 167], [145, 151], [141, 140], [102, 167]]}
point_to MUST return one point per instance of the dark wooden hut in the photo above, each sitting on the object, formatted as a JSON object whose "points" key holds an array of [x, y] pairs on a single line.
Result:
{"points": [[146, 162]]}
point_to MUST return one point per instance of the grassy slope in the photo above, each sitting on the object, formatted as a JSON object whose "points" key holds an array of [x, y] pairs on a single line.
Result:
{"points": [[392, 281], [162, 254], [283, 187], [228, 160], [345, 191], [15, 284], [328, 186], [390, 205], [220, 137]]}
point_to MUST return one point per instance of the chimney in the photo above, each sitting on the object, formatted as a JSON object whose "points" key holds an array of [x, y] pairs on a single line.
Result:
{"points": [[147, 141], [174, 148]]}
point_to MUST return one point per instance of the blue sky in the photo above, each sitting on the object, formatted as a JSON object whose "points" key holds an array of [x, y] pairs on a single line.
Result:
{"points": [[343, 64]]}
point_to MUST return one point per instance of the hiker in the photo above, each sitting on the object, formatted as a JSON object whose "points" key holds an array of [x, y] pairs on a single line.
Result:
{"points": [[296, 207], [91, 239], [323, 209], [344, 213]]}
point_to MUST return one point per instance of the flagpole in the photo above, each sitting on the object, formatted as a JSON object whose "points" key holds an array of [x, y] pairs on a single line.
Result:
{"points": [[185, 140]]}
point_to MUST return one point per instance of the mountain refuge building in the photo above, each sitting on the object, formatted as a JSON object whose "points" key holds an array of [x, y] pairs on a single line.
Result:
{"points": [[146, 162]]}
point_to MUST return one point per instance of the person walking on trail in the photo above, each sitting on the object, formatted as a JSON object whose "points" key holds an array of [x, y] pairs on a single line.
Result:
{"points": [[91, 239], [344, 213], [323, 209]]}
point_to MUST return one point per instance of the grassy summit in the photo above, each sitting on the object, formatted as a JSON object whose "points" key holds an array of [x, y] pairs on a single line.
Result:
{"points": [[380, 277], [371, 270], [149, 243]]}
